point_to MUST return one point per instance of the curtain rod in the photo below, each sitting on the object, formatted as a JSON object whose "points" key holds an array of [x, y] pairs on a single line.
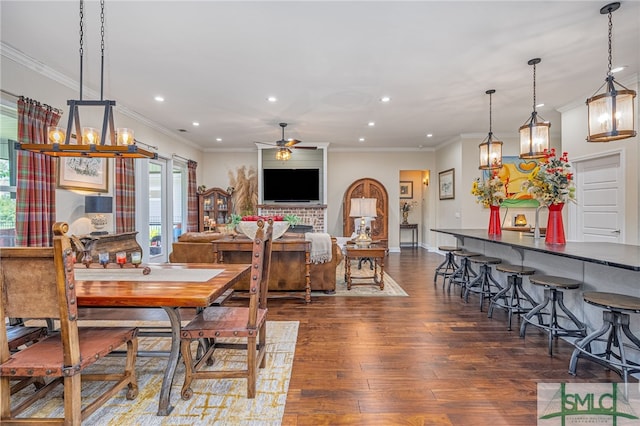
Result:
{"points": [[6, 92], [180, 157], [145, 144]]}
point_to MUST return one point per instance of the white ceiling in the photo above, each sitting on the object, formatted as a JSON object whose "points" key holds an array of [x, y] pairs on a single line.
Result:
{"points": [[329, 62]]}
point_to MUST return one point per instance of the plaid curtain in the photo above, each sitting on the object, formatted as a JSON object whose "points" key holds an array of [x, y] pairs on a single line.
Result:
{"points": [[125, 195], [192, 198], [35, 183]]}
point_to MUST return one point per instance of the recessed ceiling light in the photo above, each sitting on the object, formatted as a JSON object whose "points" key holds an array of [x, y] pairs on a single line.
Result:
{"points": [[272, 99], [618, 69], [371, 124], [385, 99], [539, 105], [195, 123], [429, 135], [159, 99], [218, 139], [361, 139]]}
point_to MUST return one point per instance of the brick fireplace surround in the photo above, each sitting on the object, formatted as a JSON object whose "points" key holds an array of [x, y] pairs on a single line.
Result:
{"points": [[309, 214]]}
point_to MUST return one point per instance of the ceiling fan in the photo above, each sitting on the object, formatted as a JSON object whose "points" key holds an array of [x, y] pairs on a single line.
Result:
{"points": [[284, 145]]}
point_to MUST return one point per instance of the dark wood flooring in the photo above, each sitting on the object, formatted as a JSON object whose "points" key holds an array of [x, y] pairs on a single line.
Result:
{"points": [[425, 359]]}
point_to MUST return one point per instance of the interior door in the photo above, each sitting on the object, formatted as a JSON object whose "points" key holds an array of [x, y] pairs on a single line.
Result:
{"points": [[600, 199]]}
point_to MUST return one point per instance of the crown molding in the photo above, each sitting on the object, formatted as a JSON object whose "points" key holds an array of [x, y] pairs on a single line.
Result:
{"points": [[9, 52]]}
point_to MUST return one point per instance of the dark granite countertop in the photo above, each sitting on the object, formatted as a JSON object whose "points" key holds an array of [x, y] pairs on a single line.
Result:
{"points": [[623, 256]]}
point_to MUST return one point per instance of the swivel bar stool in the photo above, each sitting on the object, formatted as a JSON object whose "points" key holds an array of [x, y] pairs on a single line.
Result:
{"points": [[447, 267], [554, 297], [464, 273], [484, 284], [513, 298], [615, 323]]}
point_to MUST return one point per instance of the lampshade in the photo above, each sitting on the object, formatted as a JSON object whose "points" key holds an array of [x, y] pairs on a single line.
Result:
{"points": [[520, 220], [98, 204], [611, 114], [363, 207], [91, 142], [534, 133], [490, 149]]}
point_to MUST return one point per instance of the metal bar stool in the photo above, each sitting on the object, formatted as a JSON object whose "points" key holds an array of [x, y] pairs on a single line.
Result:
{"points": [[464, 273], [447, 267], [615, 323], [554, 296], [513, 298], [484, 284]]}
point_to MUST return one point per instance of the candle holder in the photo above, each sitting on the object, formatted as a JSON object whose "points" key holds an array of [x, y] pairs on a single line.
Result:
{"points": [[136, 258], [121, 258], [103, 258]]}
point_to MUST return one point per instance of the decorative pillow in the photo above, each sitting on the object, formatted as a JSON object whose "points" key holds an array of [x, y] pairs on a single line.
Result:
{"points": [[200, 237]]}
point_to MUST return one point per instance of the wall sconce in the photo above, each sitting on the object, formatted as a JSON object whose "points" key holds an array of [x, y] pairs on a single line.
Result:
{"points": [[97, 206], [425, 178]]}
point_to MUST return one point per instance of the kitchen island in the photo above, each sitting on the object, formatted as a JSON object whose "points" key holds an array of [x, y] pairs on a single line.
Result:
{"points": [[599, 266]]}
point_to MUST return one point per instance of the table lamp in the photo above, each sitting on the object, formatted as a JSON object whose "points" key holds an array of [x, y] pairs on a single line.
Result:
{"points": [[96, 206], [363, 208], [520, 220]]}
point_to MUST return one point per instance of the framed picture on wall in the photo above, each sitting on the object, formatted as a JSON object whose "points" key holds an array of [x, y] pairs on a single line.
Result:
{"points": [[447, 184], [406, 189], [88, 174]]}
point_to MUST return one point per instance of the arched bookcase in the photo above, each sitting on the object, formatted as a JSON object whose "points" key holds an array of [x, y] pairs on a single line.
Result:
{"points": [[368, 188]]}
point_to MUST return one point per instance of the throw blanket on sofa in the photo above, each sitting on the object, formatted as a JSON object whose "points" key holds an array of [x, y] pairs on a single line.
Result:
{"points": [[320, 246]]}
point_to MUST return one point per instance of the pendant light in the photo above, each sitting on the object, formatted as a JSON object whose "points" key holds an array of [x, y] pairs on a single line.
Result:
{"points": [[490, 149], [90, 142], [534, 133], [611, 114]]}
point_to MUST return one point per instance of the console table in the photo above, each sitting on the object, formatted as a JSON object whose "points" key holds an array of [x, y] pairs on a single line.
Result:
{"points": [[286, 255], [414, 233]]}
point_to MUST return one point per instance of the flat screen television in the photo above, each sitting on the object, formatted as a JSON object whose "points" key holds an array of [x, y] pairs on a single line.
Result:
{"points": [[291, 185]]}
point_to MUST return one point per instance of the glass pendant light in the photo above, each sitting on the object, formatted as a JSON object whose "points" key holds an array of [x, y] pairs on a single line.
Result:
{"points": [[611, 114], [534, 133], [490, 149]]}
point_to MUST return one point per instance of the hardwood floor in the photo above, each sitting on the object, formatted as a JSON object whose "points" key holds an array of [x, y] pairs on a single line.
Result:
{"points": [[425, 359]]}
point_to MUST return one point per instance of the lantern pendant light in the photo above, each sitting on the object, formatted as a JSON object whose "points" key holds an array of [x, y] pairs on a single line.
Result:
{"points": [[611, 114], [490, 149], [534, 133]]}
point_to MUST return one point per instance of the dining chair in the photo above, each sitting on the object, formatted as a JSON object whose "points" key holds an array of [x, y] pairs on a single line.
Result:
{"points": [[39, 283], [247, 323]]}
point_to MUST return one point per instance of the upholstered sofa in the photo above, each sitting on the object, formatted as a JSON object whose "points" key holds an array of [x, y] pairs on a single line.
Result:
{"points": [[287, 267]]}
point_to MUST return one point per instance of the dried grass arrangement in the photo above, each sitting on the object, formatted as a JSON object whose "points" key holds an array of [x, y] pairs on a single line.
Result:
{"points": [[245, 194]]}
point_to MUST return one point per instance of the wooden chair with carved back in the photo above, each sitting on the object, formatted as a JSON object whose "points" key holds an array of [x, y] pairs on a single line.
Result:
{"points": [[39, 283], [235, 322]]}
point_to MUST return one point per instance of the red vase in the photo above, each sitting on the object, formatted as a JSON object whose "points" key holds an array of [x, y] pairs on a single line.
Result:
{"points": [[494, 221], [555, 228]]}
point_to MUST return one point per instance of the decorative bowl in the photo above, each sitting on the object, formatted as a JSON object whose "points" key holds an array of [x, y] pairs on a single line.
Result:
{"points": [[249, 228]]}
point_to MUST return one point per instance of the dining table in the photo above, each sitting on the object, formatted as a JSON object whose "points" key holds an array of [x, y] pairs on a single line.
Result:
{"points": [[168, 286]]}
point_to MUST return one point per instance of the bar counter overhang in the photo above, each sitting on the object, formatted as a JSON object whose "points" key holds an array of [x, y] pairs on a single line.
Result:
{"points": [[601, 266]]}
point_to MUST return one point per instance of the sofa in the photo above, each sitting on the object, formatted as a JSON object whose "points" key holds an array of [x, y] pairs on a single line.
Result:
{"points": [[287, 267]]}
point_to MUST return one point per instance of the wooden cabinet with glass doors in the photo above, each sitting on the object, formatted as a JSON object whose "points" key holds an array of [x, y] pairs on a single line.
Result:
{"points": [[214, 208]]}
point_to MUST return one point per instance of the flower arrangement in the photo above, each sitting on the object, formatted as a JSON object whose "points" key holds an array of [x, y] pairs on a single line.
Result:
{"points": [[489, 192], [406, 207], [551, 182]]}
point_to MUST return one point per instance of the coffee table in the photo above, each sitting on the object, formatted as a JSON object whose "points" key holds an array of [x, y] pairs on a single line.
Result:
{"points": [[375, 252]]}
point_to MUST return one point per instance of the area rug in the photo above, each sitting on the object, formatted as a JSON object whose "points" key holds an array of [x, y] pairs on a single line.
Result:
{"points": [[219, 402], [391, 287]]}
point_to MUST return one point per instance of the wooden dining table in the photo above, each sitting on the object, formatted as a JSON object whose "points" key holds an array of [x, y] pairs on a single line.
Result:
{"points": [[167, 286]]}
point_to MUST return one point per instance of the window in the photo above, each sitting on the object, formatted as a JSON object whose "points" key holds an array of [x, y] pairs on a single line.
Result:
{"points": [[8, 135]]}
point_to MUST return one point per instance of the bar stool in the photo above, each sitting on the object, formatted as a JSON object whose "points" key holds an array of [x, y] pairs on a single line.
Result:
{"points": [[447, 267], [553, 295], [484, 284], [464, 273], [615, 323], [513, 296]]}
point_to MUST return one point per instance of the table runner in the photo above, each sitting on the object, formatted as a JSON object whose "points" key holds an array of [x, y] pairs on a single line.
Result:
{"points": [[135, 274]]}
